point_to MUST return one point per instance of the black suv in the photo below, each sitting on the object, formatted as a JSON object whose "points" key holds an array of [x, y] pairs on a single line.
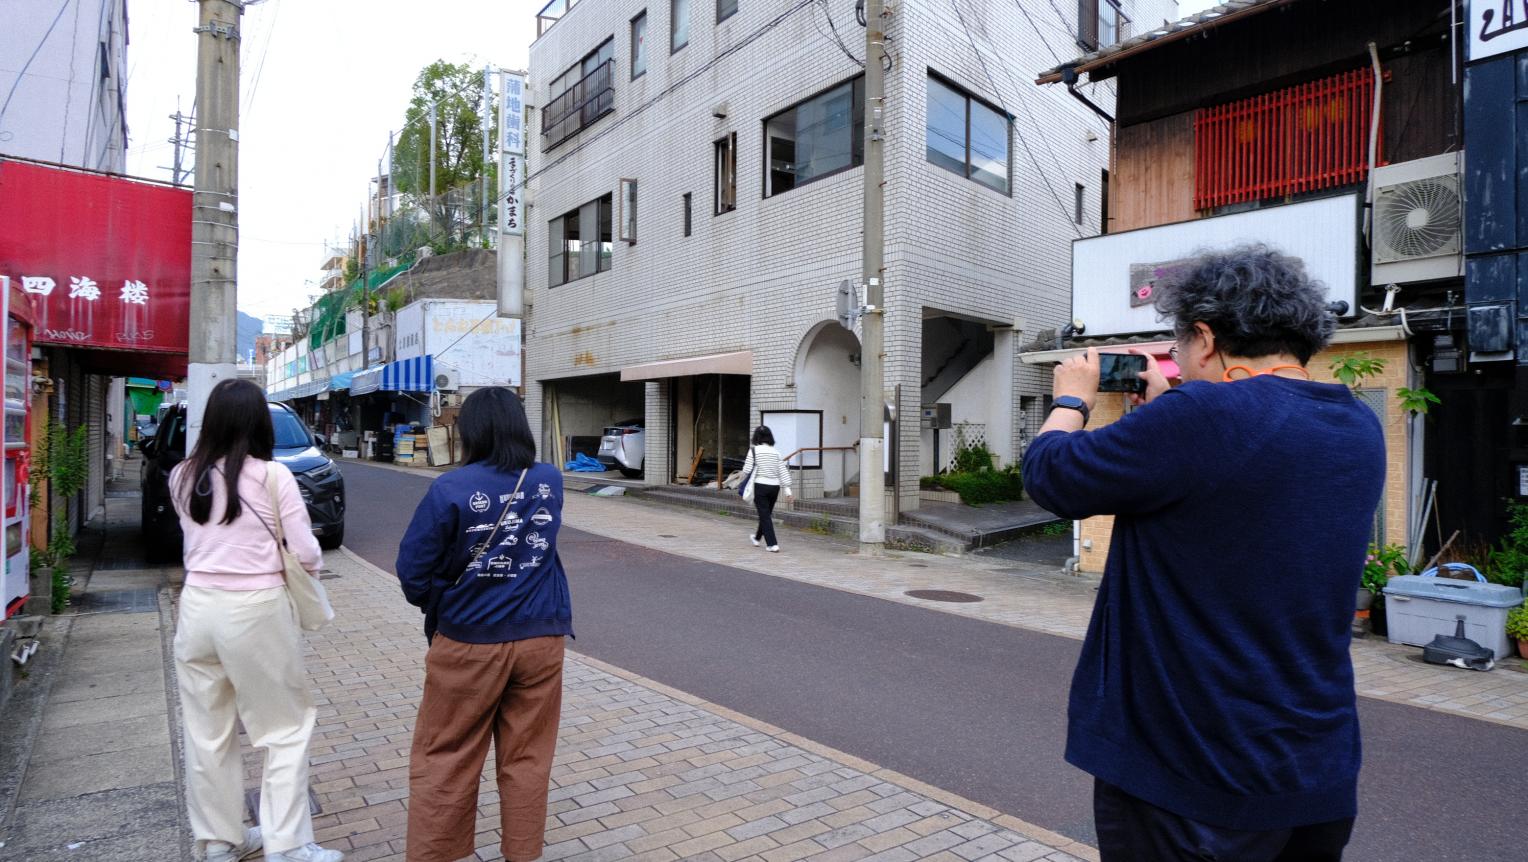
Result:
{"points": [[318, 478]]}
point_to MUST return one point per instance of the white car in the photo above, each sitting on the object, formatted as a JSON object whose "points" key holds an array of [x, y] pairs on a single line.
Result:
{"points": [[622, 447]]}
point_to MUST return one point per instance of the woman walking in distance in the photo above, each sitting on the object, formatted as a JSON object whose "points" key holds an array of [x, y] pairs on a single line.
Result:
{"points": [[480, 559], [767, 472], [238, 648]]}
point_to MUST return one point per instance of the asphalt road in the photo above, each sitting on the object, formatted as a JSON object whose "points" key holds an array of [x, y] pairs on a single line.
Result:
{"points": [[973, 707]]}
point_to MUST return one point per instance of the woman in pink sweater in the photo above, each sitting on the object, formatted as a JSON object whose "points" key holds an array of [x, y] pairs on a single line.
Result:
{"points": [[238, 648]]}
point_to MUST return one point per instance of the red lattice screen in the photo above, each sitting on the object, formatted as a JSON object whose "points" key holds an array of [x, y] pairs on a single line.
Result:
{"points": [[1306, 137]]}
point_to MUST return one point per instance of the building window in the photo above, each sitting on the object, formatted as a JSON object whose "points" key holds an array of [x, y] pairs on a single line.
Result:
{"points": [[687, 209], [819, 137], [1103, 202], [582, 94], [1077, 205], [628, 216], [1100, 23], [967, 136], [579, 242], [679, 24], [726, 175], [639, 45], [725, 9]]}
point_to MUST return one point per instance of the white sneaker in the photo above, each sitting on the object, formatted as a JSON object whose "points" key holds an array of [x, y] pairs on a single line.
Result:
{"points": [[754, 539], [222, 851], [309, 852], [774, 549]]}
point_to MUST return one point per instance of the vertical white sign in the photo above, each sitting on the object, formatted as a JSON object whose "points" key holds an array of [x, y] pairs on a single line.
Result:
{"points": [[1497, 27], [512, 179]]}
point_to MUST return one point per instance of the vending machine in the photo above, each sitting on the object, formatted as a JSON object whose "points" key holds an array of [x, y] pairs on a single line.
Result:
{"points": [[16, 346]]}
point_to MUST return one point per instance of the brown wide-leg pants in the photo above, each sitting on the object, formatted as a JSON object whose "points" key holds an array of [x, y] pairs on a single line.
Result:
{"points": [[510, 692]]}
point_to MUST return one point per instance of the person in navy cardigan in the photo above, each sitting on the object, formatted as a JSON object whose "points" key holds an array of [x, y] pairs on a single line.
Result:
{"points": [[1213, 701]]}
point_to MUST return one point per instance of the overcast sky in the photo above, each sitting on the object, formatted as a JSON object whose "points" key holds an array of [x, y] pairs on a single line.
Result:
{"points": [[323, 81]]}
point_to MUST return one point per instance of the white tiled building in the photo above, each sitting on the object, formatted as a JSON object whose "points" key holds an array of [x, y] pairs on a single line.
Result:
{"points": [[726, 278]]}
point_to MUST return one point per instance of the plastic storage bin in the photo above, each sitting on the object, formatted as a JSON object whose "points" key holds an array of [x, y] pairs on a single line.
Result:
{"points": [[1421, 607]]}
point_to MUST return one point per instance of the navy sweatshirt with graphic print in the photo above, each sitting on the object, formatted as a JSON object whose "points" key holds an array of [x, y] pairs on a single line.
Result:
{"points": [[517, 589], [1215, 680]]}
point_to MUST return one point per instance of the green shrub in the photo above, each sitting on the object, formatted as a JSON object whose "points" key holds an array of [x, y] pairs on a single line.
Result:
{"points": [[985, 486], [1517, 623], [973, 459], [1508, 562], [1381, 565]]}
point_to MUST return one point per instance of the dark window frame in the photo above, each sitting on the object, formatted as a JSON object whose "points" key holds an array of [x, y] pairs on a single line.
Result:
{"points": [[1088, 16], [722, 145], [719, 16], [972, 99], [858, 136], [689, 214], [632, 44], [1078, 204], [603, 261]]}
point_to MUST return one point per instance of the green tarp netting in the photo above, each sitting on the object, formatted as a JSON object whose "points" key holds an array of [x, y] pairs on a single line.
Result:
{"points": [[329, 311]]}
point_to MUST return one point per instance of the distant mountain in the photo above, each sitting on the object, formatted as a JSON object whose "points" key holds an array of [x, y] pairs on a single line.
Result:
{"points": [[249, 327]]}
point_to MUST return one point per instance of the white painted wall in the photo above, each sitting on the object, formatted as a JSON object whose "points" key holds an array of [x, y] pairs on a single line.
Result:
{"points": [[970, 400], [66, 108], [826, 380]]}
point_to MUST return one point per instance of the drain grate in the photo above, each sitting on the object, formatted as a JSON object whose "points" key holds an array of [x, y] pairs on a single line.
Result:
{"points": [[114, 562], [141, 601], [942, 596]]}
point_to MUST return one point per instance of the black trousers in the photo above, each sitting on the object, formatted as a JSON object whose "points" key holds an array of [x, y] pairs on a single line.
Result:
{"points": [[1133, 830], [764, 499]]}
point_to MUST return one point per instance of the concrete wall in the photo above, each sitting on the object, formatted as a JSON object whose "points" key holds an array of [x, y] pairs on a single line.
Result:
{"points": [[66, 108], [762, 277]]}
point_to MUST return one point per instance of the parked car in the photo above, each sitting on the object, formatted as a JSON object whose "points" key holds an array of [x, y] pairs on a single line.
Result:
{"points": [[318, 478], [622, 447], [146, 427]]}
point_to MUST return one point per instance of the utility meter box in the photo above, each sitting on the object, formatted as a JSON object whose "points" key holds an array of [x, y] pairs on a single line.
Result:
{"points": [[937, 417]]}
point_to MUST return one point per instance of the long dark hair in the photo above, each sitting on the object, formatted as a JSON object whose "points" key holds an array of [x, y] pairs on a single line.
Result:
{"points": [[762, 436], [494, 429], [235, 425]]}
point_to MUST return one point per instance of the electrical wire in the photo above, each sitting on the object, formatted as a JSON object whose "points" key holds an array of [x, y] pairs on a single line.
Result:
{"points": [[270, 33], [35, 51], [837, 39], [981, 60]]}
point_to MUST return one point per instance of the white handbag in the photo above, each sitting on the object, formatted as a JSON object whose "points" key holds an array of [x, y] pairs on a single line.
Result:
{"points": [[308, 596]]}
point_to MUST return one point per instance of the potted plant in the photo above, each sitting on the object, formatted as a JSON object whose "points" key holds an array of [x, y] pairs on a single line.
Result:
{"points": [[1380, 565], [1517, 627]]}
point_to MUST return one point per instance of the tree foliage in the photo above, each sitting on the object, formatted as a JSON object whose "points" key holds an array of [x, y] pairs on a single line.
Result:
{"points": [[456, 91]]}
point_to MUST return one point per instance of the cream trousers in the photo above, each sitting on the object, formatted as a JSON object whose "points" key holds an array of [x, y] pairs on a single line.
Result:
{"points": [[238, 657]]}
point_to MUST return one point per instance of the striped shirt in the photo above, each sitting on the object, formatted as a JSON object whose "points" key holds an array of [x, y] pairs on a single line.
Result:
{"points": [[767, 468]]}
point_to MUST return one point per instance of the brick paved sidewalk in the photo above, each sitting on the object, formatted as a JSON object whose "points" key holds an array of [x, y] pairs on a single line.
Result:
{"points": [[1012, 594], [642, 771]]}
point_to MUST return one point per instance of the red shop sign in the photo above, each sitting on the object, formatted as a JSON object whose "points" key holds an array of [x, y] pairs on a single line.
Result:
{"points": [[106, 260]]}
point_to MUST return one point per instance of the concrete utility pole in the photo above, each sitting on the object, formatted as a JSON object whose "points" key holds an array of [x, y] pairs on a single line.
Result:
{"points": [[872, 501], [434, 109], [215, 214]]}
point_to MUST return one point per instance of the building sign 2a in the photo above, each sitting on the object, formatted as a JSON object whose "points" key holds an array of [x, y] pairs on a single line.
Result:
{"points": [[1497, 27], [105, 260]]}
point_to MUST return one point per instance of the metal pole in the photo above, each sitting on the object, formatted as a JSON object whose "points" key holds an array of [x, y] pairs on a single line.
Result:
{"points": [[215, 219], [872, 503], [487, 157], [433, 109], [719, 432]]}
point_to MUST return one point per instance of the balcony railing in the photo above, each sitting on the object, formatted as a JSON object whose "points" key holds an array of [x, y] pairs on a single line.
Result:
{"points": [[577, 108], [551, 13]]}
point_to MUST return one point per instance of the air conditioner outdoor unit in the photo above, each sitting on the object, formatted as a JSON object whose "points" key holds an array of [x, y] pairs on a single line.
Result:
{"points": [[448, 379], [1418, 221]]}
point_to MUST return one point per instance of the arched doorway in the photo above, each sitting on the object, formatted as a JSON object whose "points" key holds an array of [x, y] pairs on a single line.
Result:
{"points": [[828, 379]]}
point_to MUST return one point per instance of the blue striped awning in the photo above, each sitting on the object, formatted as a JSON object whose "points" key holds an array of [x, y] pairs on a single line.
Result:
{"points": [[405, 375], [409, 375]]}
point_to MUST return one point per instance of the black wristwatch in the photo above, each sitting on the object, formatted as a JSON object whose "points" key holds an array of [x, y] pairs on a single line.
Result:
{"points": [[1072, 402]]}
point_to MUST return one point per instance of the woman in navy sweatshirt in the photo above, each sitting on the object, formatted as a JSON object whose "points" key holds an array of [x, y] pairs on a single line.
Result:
{"points": [[480, 559], [1213, 701]]}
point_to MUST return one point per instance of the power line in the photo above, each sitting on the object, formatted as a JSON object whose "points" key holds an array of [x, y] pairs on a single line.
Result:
{"points": [[982, 61], [270, 33], [837, 39], [28, 64], [1038, 31]]}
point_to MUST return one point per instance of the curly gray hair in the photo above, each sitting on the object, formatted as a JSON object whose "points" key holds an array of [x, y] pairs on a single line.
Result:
{"points": [[1257, 302]]}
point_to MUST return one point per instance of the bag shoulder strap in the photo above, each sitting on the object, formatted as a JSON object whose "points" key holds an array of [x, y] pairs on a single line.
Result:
{"points": [[508, 505], [271, 487]]}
